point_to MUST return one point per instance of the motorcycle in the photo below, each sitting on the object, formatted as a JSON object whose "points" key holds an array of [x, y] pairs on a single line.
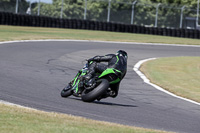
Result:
{"points": [[93, 89]]}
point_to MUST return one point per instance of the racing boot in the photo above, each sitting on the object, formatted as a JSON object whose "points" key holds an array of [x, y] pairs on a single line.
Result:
{"points": [[112, 94], [109, 93]]}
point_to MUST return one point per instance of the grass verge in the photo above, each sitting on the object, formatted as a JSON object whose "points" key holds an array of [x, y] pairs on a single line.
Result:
{"points": [[15, 119], [179, 75], [9, 33]]}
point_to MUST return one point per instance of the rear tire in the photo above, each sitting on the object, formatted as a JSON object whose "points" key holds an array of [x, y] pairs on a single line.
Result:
{"points": [[96, 92]]}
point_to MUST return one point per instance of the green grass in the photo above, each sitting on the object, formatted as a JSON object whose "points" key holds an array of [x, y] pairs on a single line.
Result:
{"points": [[8, 33], [179, 75], [19, 120], [14, 119]]}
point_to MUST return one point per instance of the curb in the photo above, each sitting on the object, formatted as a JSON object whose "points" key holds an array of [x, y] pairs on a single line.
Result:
{"points": [[146, 80]]}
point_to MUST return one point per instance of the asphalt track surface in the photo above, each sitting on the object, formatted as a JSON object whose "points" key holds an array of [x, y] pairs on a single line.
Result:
{"points": [[33, 74]]}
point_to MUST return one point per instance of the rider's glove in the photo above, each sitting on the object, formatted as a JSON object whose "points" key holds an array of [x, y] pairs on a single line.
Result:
{"points": [[89, 60]]}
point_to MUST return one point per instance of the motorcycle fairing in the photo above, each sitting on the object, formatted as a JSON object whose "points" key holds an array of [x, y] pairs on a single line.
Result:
{"points": [[111, 71]]}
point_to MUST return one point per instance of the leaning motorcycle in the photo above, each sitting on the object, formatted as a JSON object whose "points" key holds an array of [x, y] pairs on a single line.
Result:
{"points": [[93, 89]]}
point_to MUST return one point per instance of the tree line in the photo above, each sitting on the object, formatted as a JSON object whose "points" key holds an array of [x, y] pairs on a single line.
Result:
{"points": [[121, 10]]}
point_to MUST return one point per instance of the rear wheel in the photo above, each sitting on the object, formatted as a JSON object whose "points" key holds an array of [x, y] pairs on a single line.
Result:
{"points": [[90, 96]]}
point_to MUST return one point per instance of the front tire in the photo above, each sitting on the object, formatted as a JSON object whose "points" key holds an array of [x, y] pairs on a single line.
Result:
{"points": [[96, 92], [66, 92]]}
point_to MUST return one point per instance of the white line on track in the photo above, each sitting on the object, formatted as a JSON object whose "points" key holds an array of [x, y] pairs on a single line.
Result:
{"points": [[17, 105], [69, 40], [136, 67]]}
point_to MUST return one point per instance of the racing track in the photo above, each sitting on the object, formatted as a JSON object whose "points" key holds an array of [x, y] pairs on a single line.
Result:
{"points": [[33, 74]]}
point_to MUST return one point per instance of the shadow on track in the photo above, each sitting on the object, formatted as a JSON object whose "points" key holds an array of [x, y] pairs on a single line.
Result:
{"points": [[105, 103], [113, 104]]}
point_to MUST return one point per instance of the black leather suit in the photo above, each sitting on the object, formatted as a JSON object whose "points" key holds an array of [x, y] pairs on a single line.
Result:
{"points": [[118, 62]]}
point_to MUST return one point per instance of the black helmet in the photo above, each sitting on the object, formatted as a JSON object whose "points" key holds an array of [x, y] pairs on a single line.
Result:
{"points": [[122, 52]]}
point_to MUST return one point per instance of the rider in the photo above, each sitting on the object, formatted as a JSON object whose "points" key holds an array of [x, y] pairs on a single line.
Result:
{"points": [[117, 61]]}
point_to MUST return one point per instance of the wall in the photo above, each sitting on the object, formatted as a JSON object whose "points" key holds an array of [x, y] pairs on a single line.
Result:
{"points": [[39, 21]]}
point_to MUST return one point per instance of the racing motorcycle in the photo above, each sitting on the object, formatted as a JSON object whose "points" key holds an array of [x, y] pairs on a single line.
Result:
{"points": [[93, 89]]}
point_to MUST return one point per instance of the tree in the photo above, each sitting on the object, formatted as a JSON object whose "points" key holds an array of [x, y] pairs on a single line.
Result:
{"points": [[144, 14], [71, 9], [10, 6]]}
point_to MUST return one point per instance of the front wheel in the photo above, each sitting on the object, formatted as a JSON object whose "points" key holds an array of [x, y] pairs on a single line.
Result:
{"points": [[90, 96], [66, 92]]}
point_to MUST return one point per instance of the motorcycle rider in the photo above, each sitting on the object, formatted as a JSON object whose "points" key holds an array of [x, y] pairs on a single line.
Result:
{"points": [[117, 61]]}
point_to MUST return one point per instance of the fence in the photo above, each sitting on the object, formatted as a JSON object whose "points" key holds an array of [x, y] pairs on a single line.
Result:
{"points": [[39, 21], [126, 11]]}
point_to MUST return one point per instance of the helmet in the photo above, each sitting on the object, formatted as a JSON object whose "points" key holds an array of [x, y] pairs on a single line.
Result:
{"points": [[122, 52]]}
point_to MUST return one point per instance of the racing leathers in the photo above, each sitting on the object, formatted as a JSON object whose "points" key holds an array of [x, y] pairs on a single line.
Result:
{"points": [[116, 61]]}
